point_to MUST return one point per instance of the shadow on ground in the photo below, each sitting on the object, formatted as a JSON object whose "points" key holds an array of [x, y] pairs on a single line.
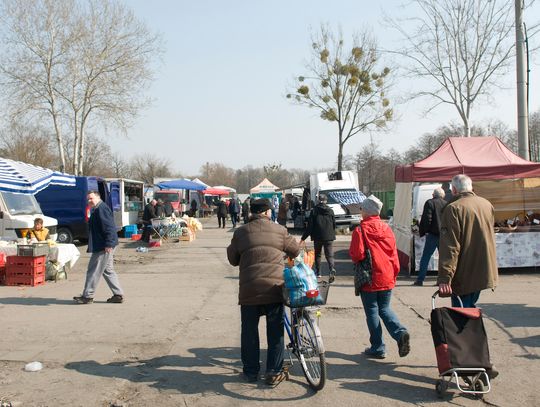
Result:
{"points": [[191, 375]]}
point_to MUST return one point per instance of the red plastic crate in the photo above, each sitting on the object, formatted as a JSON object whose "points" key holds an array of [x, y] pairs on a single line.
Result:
{"points": [[16, 270], [25, 261], [31, 280], [136, 237], [2, 259]]}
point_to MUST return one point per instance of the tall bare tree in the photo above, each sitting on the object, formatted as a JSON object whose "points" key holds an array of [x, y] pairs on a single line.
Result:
{"points": [[345, 85], [83, 63], [146, 167], [461, 46]]}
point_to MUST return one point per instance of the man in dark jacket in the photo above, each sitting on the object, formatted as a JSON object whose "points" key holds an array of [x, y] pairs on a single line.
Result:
{"points": [[258, 249], [322, 229], [234, 210], [148, 215], [221, 212], [430, 228], [102, 240]]}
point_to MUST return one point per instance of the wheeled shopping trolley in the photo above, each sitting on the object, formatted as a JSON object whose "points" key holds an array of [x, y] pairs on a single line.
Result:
{"points": [[461, 348]]}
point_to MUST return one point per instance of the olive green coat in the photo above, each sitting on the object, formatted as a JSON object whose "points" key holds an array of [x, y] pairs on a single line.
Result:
{"points": [[467, 256]]}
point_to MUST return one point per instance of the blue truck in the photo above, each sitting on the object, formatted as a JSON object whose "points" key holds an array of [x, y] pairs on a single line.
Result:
{"points": [[70, 207]]}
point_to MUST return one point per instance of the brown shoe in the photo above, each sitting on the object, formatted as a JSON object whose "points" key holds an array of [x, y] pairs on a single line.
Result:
{"points": [[274, 380], [116, 299]]}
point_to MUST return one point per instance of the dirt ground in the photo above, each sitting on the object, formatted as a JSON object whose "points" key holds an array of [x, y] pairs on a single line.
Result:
{"points": [[175, 341]]}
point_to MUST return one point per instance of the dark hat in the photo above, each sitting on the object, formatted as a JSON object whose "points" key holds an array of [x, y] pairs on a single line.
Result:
{"points": [[259, 205]]}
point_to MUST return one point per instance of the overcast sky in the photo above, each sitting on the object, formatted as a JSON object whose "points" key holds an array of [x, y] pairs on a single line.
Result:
{"points": [[219, 95]]}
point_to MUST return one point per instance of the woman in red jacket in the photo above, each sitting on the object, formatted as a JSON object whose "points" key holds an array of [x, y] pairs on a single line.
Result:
{"points": [[376, 296]]}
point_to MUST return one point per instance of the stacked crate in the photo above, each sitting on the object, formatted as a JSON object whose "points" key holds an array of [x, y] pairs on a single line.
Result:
{"points": [[25, 270], [130, 230], [2, 269]]}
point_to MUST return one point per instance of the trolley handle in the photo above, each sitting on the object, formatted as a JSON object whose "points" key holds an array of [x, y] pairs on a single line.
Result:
{"points": [[438, 294]]}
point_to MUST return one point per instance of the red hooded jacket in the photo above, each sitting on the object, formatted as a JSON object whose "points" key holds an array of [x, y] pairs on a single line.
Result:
{"points": [[382, 244]]}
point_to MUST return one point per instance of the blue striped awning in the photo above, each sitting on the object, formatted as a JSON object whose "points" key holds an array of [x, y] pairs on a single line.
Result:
{"points": [[347, 197], [22, 178]]}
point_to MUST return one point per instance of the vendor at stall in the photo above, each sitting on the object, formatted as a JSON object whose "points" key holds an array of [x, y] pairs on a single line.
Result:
{"points": [[39, 232]]}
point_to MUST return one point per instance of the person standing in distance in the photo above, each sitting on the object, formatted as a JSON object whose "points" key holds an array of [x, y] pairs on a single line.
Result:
{"points": [[467, 256], [102, 241], [322, 229], [258, 248], [221, 213], [430, 228]]}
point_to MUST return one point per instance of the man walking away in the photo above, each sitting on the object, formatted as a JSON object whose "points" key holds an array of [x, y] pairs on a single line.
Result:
{"points": [[322, 229], [467, 256], [102, 241], [258, 249], [430, 227], [221, 213]]}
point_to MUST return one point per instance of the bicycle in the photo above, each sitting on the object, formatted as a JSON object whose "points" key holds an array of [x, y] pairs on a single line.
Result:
{"points": [[306, 342]]}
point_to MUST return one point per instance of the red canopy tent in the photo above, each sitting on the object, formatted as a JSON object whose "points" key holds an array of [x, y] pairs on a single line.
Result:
{"points": [[216, 191], [508, 181], [481, 158]]}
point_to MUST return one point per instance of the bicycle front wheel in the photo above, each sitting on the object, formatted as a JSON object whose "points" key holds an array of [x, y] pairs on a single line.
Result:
{"points": [[310, 351]]}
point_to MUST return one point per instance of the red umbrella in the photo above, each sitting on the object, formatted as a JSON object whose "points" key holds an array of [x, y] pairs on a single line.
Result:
{"points": [[216, 191]]}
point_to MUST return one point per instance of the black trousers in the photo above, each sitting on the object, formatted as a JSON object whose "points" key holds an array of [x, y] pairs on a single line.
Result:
{"points": [[328, 253], [221, 220]]}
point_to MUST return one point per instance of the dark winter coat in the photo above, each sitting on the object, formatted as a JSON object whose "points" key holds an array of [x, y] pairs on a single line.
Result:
{"points": [[431, 216], [102, 229], [234, 207], [321, 224], [149, 213], [257, 248], [221, 208]]}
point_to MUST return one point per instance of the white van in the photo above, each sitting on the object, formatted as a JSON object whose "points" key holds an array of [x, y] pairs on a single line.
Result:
{"points": [[17, 214], [338, 186]]}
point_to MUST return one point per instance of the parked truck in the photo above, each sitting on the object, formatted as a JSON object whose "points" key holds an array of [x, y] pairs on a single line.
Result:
{"points": [[69, 206], [344, 196]]}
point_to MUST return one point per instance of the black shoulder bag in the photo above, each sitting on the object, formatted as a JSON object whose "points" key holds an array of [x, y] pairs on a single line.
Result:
{"points": [[362, 269]]}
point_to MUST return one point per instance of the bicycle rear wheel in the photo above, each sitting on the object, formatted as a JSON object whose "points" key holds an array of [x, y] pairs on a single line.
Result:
{"points": [[310, 351]]}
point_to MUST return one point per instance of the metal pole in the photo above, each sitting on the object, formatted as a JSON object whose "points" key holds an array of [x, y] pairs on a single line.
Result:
{"points": [[522, 108]]}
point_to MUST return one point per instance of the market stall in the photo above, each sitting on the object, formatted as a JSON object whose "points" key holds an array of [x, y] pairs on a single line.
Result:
{"points": [[265, 189], [509, 182]]}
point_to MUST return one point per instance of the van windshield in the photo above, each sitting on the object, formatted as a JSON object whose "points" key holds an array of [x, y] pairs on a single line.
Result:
{"points": [[19, 204], [166, 196], [343, 196]]}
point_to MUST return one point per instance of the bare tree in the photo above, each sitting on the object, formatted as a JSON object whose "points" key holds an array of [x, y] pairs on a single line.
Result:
{"points": [[146, 167], [35, 37], [82, 62], [534, 136], [345, 86], [28, 144], [462, 46], [218, 174]]}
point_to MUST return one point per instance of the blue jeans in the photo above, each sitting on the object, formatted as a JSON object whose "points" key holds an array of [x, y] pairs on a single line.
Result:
{"points": [[234, 219], [377, 307], [432, 243], [250, 338], [468, 300]]}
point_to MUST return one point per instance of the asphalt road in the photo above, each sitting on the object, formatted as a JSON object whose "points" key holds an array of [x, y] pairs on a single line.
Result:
{"points": [[175, 341]]}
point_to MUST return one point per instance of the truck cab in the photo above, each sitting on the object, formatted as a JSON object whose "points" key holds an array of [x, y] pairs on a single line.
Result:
{"points": [[17, 214], [344, 197], [174, 197]]}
